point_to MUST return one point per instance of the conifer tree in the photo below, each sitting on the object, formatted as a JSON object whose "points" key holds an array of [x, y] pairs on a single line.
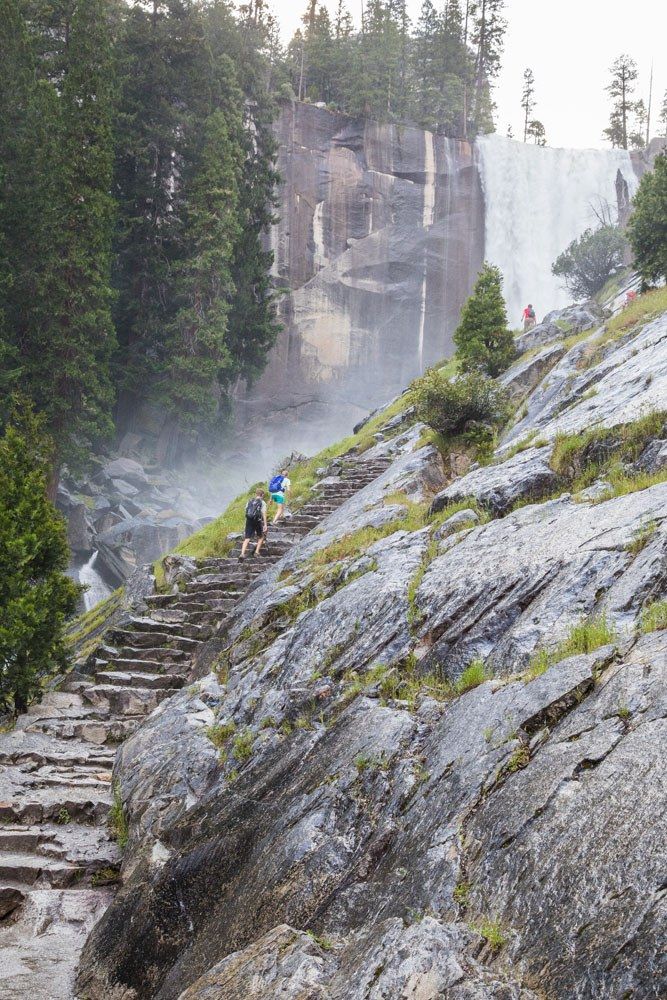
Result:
{"points": [[482, 339], [663, 116], [488, 36], [527, 100], [36, 596], [621, 89], [647, 229]]}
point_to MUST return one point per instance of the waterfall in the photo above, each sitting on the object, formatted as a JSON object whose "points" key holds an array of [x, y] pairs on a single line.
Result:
{"points": [[97, 588], [428, 218], [537, 201], [320, 256]]}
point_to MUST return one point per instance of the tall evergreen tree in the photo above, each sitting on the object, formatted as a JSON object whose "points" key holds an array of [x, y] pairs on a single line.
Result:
{"points": [[483, 341], [527, 100], [35, 595], [621, 89], [647, 229], [59, 306], [488, 37]]}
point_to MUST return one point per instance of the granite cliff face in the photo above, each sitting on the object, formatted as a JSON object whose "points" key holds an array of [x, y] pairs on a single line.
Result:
{"points": [[380, 238], [339, 809]]}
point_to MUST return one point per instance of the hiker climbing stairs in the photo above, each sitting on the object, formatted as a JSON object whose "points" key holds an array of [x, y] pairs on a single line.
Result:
{"points": [[56, 788]]}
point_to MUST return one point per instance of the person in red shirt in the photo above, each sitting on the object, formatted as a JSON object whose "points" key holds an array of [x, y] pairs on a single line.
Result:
{"points": [[529, 318]]}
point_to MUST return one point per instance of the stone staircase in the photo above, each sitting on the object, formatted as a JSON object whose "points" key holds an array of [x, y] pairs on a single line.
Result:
{"points": [[56, 765]]}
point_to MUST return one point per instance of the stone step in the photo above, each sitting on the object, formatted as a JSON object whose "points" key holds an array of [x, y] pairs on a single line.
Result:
{"points": [[157, 654], [152, 641], [210, 587], [180, 630], [31, 869], [97, 733], [138, 665], [168, 682], [51, 804], [73, 843], [128, 700]]}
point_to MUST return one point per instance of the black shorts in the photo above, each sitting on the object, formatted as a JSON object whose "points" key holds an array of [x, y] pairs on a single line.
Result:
{"points": [[253, 529]]}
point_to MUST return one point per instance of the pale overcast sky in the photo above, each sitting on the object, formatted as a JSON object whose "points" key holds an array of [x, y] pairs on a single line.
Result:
{"points": [[569, 44]]}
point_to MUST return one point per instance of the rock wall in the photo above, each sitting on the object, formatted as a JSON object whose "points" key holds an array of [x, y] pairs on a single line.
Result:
{"points": [[381, 235]]}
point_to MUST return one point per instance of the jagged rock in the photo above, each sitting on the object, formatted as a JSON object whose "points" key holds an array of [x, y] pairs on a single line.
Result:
{"points": [[457, 522], [143, 541], [561, 323], [178, 569], [10, 900], [498, 487], [79, 531], [125, 489], [523, 376], [521, 582], [128, 470], [654, 457]]}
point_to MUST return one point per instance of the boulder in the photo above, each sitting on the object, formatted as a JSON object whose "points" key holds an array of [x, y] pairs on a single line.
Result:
{"points": [[654, 457], [457, 522], [498, 487], [79, 530], [127, 470]]}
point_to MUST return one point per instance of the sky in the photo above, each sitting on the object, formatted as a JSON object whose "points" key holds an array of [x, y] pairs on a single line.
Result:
{"points": [[569, 45]]}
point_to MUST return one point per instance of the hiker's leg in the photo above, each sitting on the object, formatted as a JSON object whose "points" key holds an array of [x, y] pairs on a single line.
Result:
{"points": [[244, 548]]}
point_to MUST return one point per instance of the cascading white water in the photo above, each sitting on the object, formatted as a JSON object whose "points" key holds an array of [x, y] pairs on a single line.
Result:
{"points": [[320, 255], [90, 578], [537, 200], [428, 218]]}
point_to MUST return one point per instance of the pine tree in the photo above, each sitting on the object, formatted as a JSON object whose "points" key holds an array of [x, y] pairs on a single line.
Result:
{"points": [[36, 596], [59, 306], [663, 116], [647, 229], [621, 89], [482, 339], [527, 100], [488, 38], [537, 132]]}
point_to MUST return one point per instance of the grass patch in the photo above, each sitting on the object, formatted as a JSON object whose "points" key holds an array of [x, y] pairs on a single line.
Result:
{"points": [[641, 538], [117, 819], [644, 308], [84, 632], [242, 746], [622, 483], [519, 759], [220, 733], [653, 617], [585, 637], [357, 542], [414, 616], [472, 677], [461, 894]]}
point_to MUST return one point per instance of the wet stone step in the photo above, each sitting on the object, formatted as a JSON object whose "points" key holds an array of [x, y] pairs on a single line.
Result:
{"points": [[110, 732], [156, 640], [30, 869], [180, 630], [127, 700], [169, 682]]}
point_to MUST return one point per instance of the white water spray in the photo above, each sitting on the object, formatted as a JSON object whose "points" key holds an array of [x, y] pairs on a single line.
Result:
{"points": [[320, 255], [537, 201], [97, 588], [428, 218]]}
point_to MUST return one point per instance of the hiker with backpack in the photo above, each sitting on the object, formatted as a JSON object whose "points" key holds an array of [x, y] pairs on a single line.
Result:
{"points": [[529, 318], [255, 523], [279, 488]]}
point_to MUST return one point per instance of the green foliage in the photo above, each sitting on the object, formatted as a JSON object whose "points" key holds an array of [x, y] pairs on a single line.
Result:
{"points": [[220, 733], [647, 229], [591, 260], [117, 819], [519, 759], [472, 677], [36, 597], [483, 342], [461, 894], [242, 745], [460, 406], [654, 617], [491, 931]]}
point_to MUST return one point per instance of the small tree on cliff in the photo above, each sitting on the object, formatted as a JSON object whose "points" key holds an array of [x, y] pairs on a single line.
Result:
{"points": [[588, 263], [647, 228], [35, 595], [482, 339]]}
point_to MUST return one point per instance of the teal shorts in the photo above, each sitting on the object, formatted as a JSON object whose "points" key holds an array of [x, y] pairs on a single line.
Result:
{"points": [[278, 497]]}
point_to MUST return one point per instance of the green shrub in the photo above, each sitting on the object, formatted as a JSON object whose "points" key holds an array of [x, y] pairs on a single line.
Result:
{"points": [[460, 406], [220, 733], [483, 342], [491, 931]]}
